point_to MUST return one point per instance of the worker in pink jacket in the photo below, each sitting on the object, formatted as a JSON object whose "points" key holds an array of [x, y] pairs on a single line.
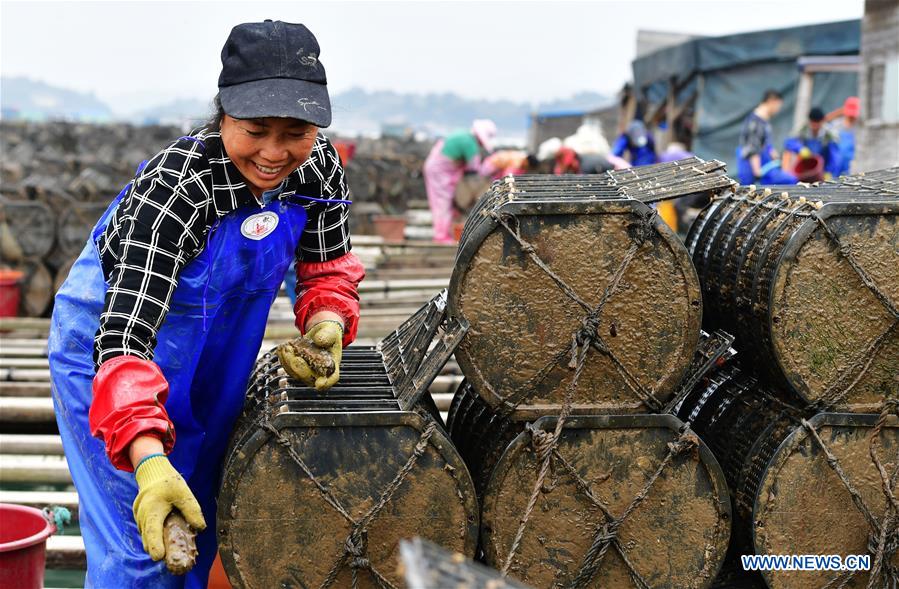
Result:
{"points": [[445, 166]]}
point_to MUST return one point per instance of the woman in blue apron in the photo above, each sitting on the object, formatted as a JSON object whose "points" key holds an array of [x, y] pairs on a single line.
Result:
{"points": [[157, 327]]}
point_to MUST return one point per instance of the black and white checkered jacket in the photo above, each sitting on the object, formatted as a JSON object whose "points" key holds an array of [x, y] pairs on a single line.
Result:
{"points": [[162, 224]]}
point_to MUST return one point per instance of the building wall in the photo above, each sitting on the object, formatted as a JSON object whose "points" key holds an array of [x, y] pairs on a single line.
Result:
{"points": [[561, 126], [877, 141], [608, 120], [546, 127]]}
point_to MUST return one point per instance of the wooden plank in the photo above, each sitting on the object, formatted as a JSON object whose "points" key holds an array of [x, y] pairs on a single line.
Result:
{"points": [[285, 314], [417, 299], [443, 400], [15, 468], [22, 352], [403, 273], [279, 328], [31, 444], [26, 409], [446, 384], [401, 311], [25, 374], [367, 240], [7, 362], [19, 342], [24, 323], [268, 344], [417, 259], [41, 499], [24, 389], [42, 388], [670, 105], [376, 240], [34, 332], [288, 331], [435, 284], [40, 409], [803, 98], [66, 552]]}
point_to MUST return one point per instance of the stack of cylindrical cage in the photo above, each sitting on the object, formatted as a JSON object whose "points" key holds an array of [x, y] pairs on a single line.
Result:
{"points": [[805, 424], [584, 314]]}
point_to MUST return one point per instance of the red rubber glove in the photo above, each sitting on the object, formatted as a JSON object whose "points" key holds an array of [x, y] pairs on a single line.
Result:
{"points": [[330, 286], [129, 394]]}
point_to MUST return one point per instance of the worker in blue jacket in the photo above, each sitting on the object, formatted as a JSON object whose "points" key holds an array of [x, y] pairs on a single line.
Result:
{"points": [[637, 141], [757, 160], [813, 139], [845, 128]]}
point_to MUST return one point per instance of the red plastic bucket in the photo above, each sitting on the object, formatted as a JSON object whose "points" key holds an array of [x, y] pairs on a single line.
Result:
{"points": [[809, 169], [23, 546], [9, 292]]}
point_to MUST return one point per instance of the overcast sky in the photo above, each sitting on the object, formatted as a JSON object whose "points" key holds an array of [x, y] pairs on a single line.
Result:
{"points": [[136, 54]]}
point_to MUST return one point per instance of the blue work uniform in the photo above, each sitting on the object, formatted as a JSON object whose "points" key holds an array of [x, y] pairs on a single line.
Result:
{"points": [[641, 155], [847, 149], [824, 144], [206, 348], [755, 139]]}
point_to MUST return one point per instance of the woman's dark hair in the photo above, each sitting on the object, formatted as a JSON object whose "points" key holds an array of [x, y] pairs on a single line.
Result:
{"points": [[218, 114]]}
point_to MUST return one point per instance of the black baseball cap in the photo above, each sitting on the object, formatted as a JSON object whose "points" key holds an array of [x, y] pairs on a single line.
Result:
{"points": [[816, 115], [272, 69]]}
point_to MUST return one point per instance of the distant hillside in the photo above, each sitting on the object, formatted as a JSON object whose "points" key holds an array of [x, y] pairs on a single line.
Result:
{"points": [[363, 111], [30, 99], [179, 110], [356, 111]]}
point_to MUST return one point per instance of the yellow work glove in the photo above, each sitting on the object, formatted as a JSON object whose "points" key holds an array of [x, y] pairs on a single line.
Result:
{"points": [[328, 335], [325, 335], [162, 489]]}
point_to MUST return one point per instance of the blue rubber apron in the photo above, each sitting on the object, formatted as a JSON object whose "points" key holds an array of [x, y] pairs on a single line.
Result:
{"points": [[206, 349]]}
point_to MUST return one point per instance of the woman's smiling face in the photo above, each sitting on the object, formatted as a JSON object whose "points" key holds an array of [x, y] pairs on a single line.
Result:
{"points": [[267, 150]]}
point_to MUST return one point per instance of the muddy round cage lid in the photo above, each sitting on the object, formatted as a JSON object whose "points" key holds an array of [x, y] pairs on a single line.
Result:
{"points": [[321, 498], [626, 500], [807, 279], [823, 492], [549, 263]]}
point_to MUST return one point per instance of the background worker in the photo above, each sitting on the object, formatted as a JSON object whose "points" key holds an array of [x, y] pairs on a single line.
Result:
{"points": [[506, 162], [592, 153], [757, 160], [586, 151], [159, 323], [814, 141], [445, 166], [676, 150], [637, 143], [686, 208], [844, 128]]}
